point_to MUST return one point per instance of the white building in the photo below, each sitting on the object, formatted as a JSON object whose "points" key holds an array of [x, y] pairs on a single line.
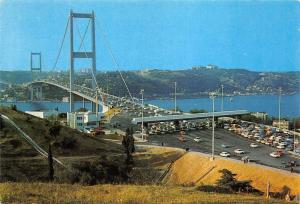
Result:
{"points": [[261, 115], [84, 121], [43, 113], [65, 99]]}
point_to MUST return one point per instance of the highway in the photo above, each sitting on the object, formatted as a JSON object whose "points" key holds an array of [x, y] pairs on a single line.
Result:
{"points": [[259, 155]]}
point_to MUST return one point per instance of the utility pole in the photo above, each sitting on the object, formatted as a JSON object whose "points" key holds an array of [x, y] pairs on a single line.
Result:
{"points": [[222, 105], [294, 135], [212, 96], [107, 83], [142, 92], [175, 108], [279, 107]]}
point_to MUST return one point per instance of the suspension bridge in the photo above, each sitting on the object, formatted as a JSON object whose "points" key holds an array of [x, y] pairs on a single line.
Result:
{"points": [[95, 94]]}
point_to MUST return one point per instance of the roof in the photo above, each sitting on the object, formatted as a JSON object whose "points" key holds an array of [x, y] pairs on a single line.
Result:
{"points": [[188, 116]]}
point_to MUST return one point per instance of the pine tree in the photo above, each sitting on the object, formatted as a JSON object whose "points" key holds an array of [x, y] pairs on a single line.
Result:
{"points": [[50, 164]]}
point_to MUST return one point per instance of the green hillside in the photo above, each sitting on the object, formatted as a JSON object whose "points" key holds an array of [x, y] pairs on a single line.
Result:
{"points": [[194, 82]]}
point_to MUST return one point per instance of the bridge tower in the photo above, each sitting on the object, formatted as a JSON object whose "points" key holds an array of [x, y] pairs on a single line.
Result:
{"points": [[36, 91], [86, 54]]}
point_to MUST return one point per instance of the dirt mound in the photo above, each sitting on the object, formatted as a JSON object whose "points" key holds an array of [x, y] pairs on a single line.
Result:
{"points": [[197, 168]]}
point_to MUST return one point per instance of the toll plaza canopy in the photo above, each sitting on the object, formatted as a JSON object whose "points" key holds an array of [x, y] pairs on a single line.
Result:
{"points": [[188, 116]]}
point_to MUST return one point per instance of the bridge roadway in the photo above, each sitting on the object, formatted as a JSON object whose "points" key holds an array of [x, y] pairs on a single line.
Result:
{"points": [[188, 116], [82, 91]]}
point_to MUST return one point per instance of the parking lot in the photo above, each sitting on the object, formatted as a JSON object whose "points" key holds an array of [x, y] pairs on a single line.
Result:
{"points": [[260, 154]]}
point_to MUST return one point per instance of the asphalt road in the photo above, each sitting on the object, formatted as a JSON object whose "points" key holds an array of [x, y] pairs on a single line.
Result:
{"points": [[258, 155]]}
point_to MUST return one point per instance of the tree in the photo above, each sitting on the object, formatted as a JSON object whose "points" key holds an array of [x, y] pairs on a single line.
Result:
{"points": [[50, 164], [1, 123], [198, 111], [128, 143], [229, 182], [227, 179], [13, 107], [53, 132]]}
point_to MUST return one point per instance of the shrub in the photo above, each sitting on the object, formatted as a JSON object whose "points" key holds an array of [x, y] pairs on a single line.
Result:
{"points": [[68, 143], [86, 179], [28, 119], [94, 172], [13, 107], [15, 143], [214, 189], [229, 181]]}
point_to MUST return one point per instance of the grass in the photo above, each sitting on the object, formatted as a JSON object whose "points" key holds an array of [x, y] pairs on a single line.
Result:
{"points": [[21, 162], [37, 128], [62, 193]]}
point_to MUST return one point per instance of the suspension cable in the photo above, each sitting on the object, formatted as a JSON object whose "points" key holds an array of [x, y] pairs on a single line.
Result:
{"points": [[106, 42], [61, 45], [84, 49]]}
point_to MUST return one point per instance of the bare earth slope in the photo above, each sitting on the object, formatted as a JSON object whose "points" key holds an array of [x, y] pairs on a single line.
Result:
{"points": [[197, 168]]}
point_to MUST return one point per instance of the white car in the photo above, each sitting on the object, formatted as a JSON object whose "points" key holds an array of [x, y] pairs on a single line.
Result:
{"points": [[225, 146], [224, 154], [197, 139], [239, 151], [253, 145], [275, 154], [280, 146]]}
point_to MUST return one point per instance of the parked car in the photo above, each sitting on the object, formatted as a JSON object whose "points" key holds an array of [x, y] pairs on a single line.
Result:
{"points": [[280, 146], [197, 139], [274, 154], [224, 146], [225, 154], [239, 151]]}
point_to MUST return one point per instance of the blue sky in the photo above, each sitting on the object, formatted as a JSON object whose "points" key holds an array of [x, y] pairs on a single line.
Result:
{"points": [[257, 35]]}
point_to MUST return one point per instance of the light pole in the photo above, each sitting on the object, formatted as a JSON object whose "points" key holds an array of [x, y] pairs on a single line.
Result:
{"points": [[175, 108], [212, 96], [279, 106], [222, 104], [142, 92], [294, 135]]}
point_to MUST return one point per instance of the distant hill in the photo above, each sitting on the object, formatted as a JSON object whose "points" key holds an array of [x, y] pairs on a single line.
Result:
{"points": [[199, 81], [193, 82]]}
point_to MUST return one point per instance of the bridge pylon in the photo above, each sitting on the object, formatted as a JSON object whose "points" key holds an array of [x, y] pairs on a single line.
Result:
{"points": [[36, 91], [78, 55]]}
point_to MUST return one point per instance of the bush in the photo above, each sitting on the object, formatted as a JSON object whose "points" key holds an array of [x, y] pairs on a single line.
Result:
{"points": [[214, 189], [15, 143], [94, 172], [13, 107], [229, 181], [28, 119], [86, 179], [198, 111], [68, 143]]}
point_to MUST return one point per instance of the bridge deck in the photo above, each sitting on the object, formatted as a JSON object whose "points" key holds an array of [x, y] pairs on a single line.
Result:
{"points": [[188, 116]]}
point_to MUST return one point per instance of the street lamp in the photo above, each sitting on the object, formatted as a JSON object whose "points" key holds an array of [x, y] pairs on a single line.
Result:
{"points": [[175, 108], [212, 95], [279, 106], [142, 92], [222, 105]]}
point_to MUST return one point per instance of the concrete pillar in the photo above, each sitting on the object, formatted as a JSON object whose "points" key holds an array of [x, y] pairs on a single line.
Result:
{"points": [[83, 103], [31, 93]]}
